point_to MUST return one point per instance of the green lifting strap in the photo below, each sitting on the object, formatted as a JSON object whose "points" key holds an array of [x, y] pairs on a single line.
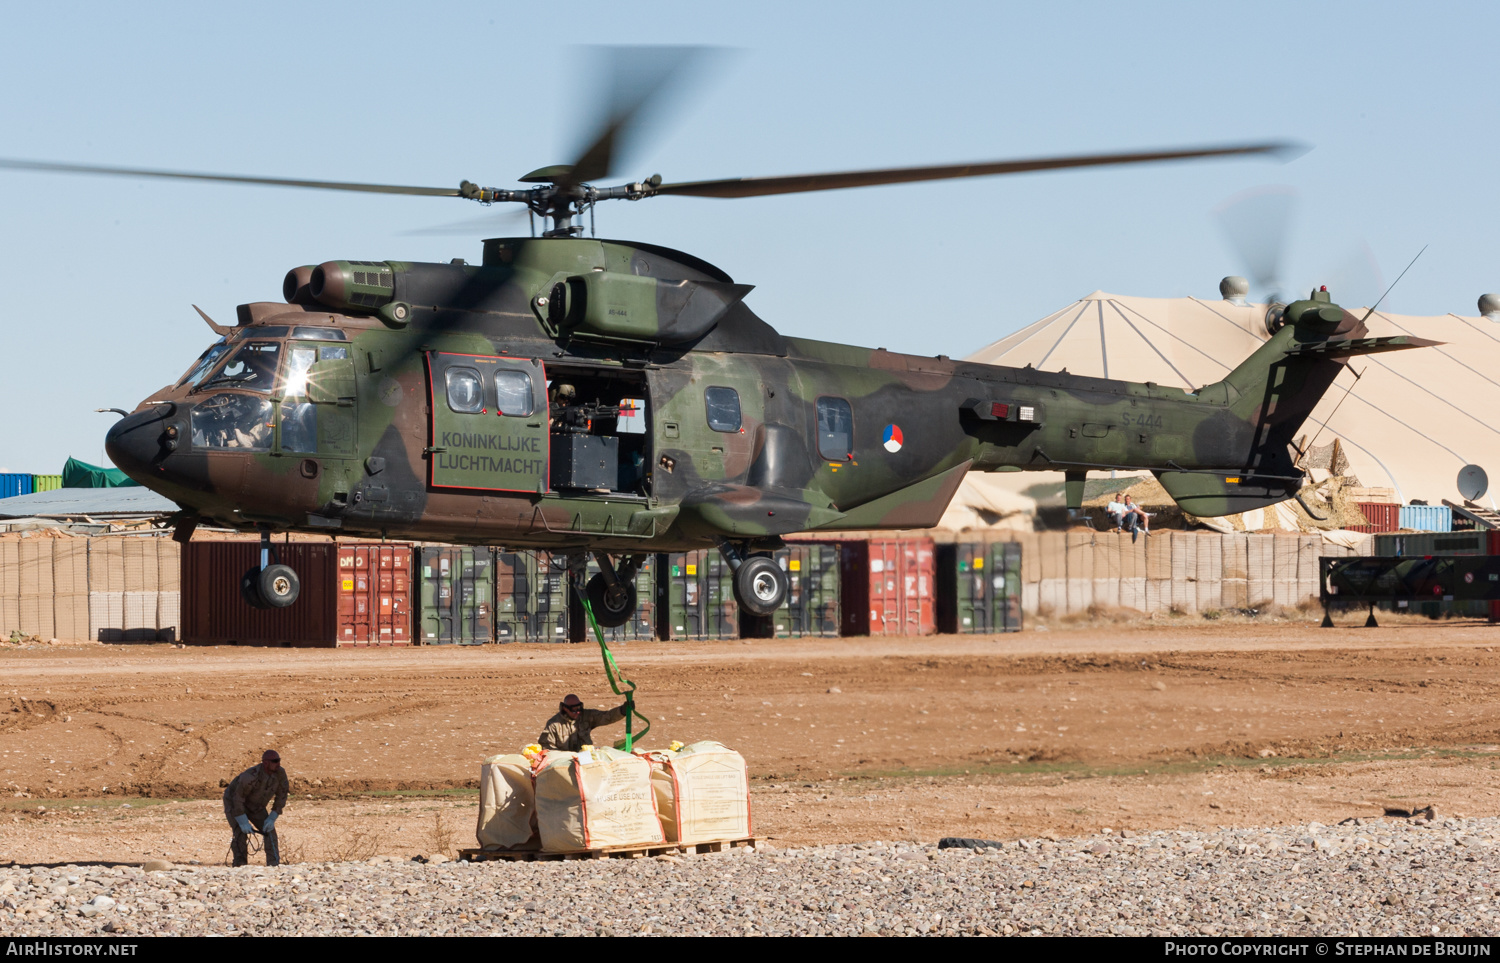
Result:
{"points": [[612, 669]]}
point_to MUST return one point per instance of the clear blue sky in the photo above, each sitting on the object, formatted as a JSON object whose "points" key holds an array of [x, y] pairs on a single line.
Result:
{"points": [[1398, 104]]}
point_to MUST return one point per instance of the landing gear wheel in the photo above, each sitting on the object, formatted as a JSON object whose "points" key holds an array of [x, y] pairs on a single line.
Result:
{"points": [[250, 589], [760, 585], [610, 612], [278, 586]]}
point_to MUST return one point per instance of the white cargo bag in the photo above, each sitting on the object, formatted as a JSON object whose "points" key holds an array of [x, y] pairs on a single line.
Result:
{"points": [[702, 792], [507, 804], [595, 800]]}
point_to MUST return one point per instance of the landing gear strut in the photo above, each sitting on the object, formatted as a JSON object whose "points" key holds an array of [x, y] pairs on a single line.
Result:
{"points": [[760, 585], [269, 585], [611, 593]]}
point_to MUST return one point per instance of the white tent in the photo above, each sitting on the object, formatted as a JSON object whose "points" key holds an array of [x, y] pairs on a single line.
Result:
{"points": [[1410, 422]]}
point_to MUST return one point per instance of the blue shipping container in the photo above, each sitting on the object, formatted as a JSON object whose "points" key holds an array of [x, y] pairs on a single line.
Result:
{"points": [[12, 484], [1427, 518]]}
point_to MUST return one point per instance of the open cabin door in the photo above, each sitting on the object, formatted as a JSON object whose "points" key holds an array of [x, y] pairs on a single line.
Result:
{"points": [[488, 424]]}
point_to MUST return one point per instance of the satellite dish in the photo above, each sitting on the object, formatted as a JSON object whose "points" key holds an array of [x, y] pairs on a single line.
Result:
{"points": [[1472, 482]]}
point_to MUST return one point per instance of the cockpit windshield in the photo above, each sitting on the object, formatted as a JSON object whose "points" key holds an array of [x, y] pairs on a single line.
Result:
{"points": [[253, 367], [204, 364]]}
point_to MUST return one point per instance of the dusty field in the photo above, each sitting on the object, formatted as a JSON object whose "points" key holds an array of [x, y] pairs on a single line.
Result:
{"points": [[116, 754]]}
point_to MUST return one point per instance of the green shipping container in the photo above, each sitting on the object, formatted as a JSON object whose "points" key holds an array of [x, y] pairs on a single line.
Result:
{"points": [[457, 595], [531, 597], [695, 591], [812, 599], [979, 587], [45, 483]]}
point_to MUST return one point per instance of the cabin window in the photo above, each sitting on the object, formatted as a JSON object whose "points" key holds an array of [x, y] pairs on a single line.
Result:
{"points": [[465, 390], [205, 364], [723, 405], [513, 393], [835, 429]]}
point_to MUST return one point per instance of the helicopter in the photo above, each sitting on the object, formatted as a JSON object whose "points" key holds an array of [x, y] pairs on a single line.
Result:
{"points": [[614, 399]]}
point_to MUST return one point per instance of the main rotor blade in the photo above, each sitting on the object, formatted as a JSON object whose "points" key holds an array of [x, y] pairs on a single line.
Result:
{"points": [[797, 183], [56, 168], [635, 78]]}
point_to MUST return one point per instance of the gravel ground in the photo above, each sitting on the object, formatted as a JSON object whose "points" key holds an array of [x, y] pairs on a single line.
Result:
{"points": [[1378, 878]]}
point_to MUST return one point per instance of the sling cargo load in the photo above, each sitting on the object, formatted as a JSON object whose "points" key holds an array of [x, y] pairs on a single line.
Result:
{"points": [[596, 799], [702, 793], [507, 805]]}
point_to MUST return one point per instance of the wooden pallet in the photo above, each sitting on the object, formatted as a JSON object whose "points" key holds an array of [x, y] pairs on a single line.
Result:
{"points": [[612, 852]]}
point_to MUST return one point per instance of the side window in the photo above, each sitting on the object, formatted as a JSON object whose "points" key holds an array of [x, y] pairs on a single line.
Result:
{"points": [[513, 392], [465, 391], [835, 429], [723, 405]]}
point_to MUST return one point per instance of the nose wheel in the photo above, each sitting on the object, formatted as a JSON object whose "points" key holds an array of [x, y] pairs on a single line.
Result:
{"points": [[269, 585]]}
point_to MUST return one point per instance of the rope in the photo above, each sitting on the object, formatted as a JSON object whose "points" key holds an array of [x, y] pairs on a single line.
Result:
{"points": [[611, 670]]}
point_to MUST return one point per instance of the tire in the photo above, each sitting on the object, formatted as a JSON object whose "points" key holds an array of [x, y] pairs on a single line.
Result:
{"points": [[607, 615], [278, 586], [760, 585], [250, 589]]}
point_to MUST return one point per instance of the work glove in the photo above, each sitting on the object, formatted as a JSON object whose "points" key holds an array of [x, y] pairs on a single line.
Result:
{"points": [[243, 822], [269, 825]]}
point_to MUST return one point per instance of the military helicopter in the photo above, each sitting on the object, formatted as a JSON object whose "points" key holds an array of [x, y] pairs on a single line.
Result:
{"points": [[619, 398]]}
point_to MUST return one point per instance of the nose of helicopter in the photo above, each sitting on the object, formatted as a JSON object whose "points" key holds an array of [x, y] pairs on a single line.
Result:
{"points": [[134, 443]]}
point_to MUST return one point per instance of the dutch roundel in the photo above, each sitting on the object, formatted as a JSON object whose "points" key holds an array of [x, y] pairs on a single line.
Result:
{"points": [[892, 438]]}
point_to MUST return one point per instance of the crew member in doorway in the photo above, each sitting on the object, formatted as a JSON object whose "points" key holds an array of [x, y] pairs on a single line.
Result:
{"points": [[568, 416], [245, 802], [573, 726]]}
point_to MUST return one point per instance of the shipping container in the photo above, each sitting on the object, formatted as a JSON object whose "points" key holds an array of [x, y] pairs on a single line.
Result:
{"points": [[457, 595], [352, 594], [1426, 518], [531, 597], [642, 625], [811, 607], [1494, 539], [1383, 517], [979, 587], [45, 483], [12, 484], [695, 593], [902, 597]]}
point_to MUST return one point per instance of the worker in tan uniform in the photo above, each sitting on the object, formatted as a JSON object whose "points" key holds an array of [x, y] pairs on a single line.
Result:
{"points": [[573, 726], [245, 802]]}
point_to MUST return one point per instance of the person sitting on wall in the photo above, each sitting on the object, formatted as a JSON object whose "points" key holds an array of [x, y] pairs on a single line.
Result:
{"points": [[1142, 517], [572, 728], [1123, 517]]}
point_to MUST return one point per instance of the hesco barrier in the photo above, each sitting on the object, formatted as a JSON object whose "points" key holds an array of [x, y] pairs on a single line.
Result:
{"points": [[531, 598], [457, 595], [106, 589], [352, 594], [978, 587], [695, 593]]}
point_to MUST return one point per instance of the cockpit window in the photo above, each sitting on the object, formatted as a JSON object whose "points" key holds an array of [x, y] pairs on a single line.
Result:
{"points": [[300, 357], [232, 421], [318, 334], [204, 364], [252, 366]]}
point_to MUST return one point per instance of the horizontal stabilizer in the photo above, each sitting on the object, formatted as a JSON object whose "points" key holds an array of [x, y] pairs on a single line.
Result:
{"points": [[1349, 347]]}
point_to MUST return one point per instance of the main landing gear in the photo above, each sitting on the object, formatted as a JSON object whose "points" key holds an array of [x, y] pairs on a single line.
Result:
{"points": [[611, 593], [760, 586], [269, 585]]}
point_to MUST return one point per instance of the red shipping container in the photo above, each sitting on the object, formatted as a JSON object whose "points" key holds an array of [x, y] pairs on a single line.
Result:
{"points": [[1383, 516], [326, 613], [902, 577]]}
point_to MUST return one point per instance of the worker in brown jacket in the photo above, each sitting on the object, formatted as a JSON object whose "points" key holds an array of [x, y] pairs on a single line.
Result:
{"points": [[245, 801], [573, 726]]}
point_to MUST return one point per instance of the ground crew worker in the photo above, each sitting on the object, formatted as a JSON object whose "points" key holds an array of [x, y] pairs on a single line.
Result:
{"points": [[245, 801], [572, 728]]}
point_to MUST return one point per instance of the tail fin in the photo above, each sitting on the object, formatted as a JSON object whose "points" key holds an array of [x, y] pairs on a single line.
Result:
{"points": [[1269, 396]]}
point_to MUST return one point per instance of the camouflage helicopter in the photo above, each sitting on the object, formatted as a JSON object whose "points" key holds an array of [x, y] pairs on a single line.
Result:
{"points": [[619, 398]]}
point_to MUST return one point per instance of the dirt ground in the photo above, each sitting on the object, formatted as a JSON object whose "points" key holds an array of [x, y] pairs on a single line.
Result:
{"points": [[116, 753]]}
